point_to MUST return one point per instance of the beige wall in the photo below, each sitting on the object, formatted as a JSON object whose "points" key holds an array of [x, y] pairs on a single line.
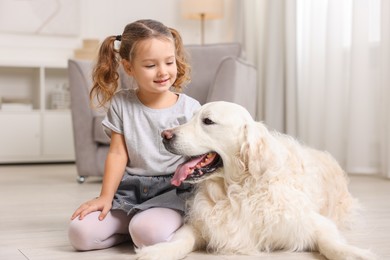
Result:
{"points": [[99, 18]]}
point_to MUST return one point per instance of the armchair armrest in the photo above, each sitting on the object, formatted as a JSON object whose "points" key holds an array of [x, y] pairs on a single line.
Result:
{"points": [[82, 117], [235, 81]]}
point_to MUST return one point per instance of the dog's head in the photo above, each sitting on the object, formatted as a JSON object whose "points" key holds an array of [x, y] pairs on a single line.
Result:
{"points": [[221, 134]]}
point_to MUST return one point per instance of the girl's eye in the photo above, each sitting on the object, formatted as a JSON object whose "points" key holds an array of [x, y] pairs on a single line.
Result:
{"points": [[170, 63], [149, 66]]}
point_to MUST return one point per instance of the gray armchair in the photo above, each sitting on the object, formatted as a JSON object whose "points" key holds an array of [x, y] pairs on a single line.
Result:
{"points": [[218, 73]]}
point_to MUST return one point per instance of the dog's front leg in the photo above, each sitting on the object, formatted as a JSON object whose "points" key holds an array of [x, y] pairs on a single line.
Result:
{"points": [[184, 241]]}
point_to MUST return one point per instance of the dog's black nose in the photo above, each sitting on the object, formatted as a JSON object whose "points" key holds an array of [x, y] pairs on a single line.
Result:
{"points": [[167, 134]]}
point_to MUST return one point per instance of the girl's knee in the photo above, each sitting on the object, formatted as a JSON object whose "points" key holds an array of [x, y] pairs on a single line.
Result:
{"points": [[92, 233], [154, 226], [80, 236]]}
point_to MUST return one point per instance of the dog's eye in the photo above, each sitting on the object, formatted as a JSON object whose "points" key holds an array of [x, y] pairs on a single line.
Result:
{"points": [[208, 121]]}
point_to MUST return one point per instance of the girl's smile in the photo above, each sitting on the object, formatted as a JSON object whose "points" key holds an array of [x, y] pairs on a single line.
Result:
{"points": [[162, 81]]}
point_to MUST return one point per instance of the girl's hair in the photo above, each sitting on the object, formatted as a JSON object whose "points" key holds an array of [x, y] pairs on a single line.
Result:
{"points": [[105, 74]]}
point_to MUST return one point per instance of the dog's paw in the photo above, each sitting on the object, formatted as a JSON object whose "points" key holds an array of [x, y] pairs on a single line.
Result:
{"points": [[157, 252], [360, 254], [148, 253]]}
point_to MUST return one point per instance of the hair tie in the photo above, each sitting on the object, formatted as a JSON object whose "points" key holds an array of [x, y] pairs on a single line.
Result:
{"points": [[118, 38]]}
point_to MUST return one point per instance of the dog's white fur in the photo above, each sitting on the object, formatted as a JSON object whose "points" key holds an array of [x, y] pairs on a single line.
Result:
{"points": [[272, 193]]}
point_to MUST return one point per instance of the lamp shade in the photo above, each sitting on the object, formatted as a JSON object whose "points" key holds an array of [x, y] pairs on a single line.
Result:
{"points": [[195, 9]]}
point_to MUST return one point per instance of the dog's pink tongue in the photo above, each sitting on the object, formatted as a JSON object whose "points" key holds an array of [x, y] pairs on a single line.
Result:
{"points": [[184, 169]]}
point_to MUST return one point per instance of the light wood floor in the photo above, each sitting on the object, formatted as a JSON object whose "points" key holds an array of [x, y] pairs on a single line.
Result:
{"points": [[37, 201]]}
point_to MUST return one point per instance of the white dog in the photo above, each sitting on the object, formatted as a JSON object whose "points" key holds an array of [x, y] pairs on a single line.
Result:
{"points": [[256, 190]]}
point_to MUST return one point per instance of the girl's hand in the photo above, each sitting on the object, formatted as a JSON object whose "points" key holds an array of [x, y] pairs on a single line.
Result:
{"points": [[98, 204]]}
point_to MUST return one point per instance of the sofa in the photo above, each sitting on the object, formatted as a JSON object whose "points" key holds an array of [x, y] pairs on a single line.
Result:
{"points": [[218, 73]]}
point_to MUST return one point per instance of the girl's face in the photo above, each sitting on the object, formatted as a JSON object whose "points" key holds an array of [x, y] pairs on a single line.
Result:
{"points": [[154, 65]]}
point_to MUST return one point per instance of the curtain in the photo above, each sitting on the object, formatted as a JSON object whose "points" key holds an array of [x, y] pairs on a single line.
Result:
{"points": [[385, 87], [324, 75], [271, 47]]}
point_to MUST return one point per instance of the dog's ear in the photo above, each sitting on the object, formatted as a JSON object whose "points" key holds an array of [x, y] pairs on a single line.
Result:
{"points": [[260, 149]]}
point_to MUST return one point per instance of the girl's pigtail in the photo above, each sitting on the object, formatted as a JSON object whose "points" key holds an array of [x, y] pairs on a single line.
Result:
{"points": [[183, 68], [105, 73]]}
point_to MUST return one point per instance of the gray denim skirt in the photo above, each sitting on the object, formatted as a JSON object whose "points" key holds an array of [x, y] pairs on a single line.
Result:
{"points": [[136, 193]]}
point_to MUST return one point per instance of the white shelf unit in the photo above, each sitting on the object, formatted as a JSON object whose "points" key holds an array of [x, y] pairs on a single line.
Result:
{"points": [[41, 134]]}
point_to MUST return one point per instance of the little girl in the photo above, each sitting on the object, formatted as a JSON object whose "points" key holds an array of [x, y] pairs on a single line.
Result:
{"points": [[137, 200]]}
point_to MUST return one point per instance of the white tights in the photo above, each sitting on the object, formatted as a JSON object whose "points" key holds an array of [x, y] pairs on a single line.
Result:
{"points": [[146, 228]]}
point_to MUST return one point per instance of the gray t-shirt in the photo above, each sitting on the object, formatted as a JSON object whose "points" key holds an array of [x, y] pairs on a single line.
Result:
{"points": [[141, 127]]}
